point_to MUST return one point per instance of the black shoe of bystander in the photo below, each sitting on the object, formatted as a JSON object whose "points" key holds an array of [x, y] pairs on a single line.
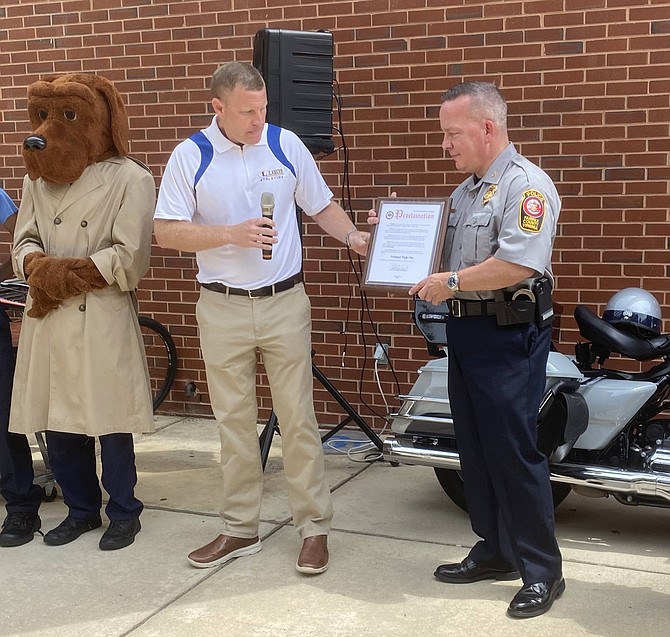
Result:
{"points": [[70, 529], [119, 534], [19, 528]]}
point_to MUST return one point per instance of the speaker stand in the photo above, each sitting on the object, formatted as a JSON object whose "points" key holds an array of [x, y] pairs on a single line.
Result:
{"points": [[272, 425]]}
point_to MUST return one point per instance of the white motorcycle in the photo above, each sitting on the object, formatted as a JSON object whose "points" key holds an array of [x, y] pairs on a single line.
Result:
{"points": [[605, 431]]}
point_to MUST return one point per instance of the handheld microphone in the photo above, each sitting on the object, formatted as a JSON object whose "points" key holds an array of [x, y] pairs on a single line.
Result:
{"points": [[267, 210]]}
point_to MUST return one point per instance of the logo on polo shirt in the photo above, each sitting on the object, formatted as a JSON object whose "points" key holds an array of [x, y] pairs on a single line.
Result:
{"points": [[271, 175]]}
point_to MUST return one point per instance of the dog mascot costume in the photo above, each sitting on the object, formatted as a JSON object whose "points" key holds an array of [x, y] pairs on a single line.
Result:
{"points": [[82, 242]]}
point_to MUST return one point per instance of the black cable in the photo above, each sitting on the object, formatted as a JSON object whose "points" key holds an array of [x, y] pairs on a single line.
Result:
{"points": [[356, 267]]}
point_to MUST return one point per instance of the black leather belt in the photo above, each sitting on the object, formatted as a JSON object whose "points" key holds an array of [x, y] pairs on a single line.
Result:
{"points": [[461, 307], [268, 290]]}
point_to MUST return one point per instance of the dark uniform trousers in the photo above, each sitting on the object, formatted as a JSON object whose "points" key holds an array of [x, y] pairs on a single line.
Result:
{"points": [[16, 463], [73, 462], [496, 382]]}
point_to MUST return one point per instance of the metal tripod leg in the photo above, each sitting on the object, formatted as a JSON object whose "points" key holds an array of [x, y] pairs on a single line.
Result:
{"points": [[46, 481], [346, 405], [265, 439], [272, 424]]}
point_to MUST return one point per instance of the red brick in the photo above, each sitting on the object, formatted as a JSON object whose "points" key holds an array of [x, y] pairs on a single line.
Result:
{"points": [[588, 96]]}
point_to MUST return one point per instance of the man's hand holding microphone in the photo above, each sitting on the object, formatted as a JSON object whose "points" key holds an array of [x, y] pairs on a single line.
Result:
{"points": [[268, 210], [261, 233], [258, 232]]}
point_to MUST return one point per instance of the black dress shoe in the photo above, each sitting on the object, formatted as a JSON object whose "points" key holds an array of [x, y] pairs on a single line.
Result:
{"points": [[70, 529], [469, 571], [19, 528], [119, 534], [534, 599]]}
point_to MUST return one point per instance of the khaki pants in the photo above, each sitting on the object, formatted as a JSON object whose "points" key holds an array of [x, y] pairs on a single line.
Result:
{"points": [[231, 329]]}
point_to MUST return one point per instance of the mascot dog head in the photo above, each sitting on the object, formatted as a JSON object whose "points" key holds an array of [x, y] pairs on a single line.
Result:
{"points": [[78, 119]]}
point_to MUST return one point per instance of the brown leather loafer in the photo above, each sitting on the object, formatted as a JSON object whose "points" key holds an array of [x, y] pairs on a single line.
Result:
{"points": [[223, 549], [313, 557]]}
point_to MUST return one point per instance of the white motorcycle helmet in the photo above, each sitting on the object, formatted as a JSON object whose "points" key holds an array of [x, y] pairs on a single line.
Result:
{"points": [[634, 310]]}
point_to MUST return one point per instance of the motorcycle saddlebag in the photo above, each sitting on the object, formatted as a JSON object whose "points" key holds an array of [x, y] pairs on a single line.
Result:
{"points": [[561, 423]]}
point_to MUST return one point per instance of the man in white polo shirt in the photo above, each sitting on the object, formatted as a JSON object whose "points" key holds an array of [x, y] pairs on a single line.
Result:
{"points": [[210, 203]]}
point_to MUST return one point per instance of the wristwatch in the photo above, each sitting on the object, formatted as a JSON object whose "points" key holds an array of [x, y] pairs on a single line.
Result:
{"points": [[452, 282]]}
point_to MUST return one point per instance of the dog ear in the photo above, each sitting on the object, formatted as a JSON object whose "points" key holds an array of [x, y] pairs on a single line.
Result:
{"points": [[117, 109]]}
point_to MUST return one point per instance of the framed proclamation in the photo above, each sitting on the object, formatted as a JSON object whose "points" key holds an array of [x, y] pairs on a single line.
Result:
{"points": [[406, 245]]}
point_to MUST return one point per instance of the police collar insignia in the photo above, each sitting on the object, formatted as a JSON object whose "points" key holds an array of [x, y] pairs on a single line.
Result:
{"points": [[531, 211], [489, 193]]}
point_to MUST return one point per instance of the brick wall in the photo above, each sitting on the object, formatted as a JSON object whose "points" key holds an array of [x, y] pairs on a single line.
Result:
{"points": [[588, 91]]}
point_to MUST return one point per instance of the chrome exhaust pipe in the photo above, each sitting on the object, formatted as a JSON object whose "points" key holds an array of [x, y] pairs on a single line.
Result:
{"points": [[406, 452], [650, 484]]}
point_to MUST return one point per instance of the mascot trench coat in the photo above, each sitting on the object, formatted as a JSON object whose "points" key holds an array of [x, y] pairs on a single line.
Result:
{"points": [[82, 368]]}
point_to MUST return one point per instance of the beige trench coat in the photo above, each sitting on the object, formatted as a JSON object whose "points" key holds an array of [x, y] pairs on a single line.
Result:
{"points": [[82, 368]]}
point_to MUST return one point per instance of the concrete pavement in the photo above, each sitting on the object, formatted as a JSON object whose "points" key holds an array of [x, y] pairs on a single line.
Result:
{"points": [[393, 526]]}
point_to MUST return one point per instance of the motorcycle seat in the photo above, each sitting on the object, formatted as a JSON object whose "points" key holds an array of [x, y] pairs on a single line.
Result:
{"points": [[652, 375], [603, 334]]}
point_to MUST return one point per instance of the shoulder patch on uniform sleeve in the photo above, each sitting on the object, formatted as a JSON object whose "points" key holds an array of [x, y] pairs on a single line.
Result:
{"points": [[531, 211]]}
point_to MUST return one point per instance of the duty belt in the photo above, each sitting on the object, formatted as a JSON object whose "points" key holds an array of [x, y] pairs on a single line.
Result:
{"points": [[462, 307], [268, 290]]}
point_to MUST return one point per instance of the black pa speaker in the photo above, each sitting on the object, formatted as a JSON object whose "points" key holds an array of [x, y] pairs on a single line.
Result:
{"points": [[297, 67]]}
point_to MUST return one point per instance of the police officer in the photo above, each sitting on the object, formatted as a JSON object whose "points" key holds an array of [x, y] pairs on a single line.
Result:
{"points": [[497, 283], [22, 497]]}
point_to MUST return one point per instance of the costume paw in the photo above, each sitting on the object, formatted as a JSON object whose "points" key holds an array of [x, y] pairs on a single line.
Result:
{"points": [[89, 272], [42, 304], [28, 261], [63, 278]]}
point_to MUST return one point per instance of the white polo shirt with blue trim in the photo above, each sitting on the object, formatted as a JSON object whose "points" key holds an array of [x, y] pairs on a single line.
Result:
{"points": [[209, 180]]}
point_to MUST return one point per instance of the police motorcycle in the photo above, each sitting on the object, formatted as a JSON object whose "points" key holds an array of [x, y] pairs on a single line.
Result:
{"points": [[606, 431]]}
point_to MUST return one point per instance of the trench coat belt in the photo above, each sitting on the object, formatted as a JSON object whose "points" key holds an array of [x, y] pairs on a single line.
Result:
{"points": [[268, 290], [461, 307]]}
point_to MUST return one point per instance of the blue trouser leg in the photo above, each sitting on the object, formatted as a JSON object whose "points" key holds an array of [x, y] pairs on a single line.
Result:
{"points": [[495, 548], [16, 463], [73, 462], [72, 459], [119, 476], [497, 384]]}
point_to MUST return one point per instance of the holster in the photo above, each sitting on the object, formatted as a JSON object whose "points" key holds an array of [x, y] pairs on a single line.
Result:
{"points": [[544, 305], [525, 305], [511, 311]]}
